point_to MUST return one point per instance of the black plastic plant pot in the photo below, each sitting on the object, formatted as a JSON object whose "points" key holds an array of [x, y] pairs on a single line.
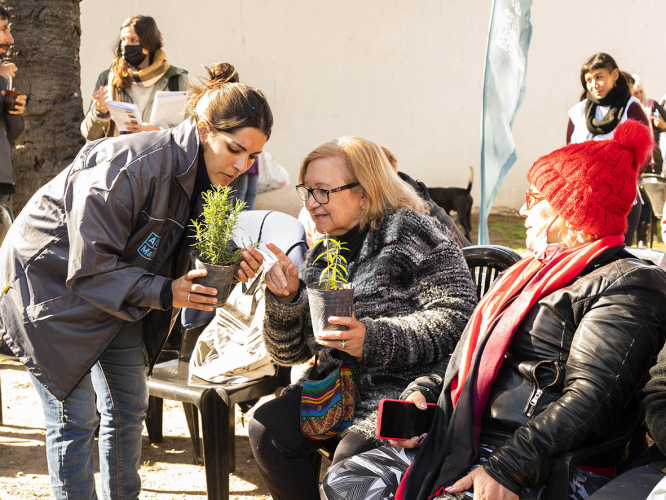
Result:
{"points": [[219, 277], [326, 303]]}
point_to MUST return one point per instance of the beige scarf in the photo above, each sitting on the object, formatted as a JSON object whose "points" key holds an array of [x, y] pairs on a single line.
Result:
{"points": [[146, 77]]}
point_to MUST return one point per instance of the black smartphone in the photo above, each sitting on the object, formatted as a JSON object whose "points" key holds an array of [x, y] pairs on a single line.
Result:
{"points": [[402, 420]]}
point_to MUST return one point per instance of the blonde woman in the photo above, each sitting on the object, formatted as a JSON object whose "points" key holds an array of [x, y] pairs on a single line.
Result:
{"points": [[413, 295]]}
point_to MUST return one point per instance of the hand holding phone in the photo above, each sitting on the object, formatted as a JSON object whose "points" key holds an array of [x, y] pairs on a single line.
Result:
{"points": [[404, 421]]}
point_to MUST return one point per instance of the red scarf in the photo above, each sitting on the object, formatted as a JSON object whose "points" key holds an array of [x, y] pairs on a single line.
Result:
{"points": [[527, 281], [547, 279]]}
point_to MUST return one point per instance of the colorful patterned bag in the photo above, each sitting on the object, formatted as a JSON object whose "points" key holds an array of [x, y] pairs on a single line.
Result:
{"points": [[327, 406]]}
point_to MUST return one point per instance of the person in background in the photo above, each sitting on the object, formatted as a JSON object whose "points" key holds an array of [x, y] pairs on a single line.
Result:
{"points": [[654, 111], [663, 224], [139, 69], [552, 356], [435, 210], [96, 268], [11, 126], [413, 295], [606, 101], [658, 110], [630, 82]]}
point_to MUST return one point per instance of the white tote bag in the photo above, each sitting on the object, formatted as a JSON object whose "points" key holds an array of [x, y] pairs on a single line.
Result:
{"points": [[231, 349], [272, 175]]}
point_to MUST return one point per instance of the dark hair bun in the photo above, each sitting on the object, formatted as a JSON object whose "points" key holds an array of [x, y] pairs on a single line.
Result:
{"points": [[222, 73]]}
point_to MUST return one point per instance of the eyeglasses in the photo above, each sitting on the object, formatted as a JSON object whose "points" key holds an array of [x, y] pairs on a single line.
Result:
{"points": [[532, 199], [320, 195]]}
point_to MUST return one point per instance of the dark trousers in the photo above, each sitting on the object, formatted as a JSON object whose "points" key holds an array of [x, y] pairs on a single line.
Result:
{"points": [[280, 449]]}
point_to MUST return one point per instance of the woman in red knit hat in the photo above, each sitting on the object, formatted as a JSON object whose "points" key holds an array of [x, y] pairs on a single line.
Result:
{"points": [[552, 355]]}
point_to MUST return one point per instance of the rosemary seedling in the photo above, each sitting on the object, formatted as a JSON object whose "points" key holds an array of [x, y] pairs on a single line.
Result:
{"points": [[335, 273], [215, 229]]}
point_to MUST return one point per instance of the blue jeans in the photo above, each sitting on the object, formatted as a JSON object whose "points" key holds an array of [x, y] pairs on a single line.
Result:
{"points": [[247, 189], [115, 395]]}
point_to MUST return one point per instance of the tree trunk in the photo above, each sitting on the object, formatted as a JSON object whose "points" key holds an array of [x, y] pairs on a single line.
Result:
{"points": [[47, 38]]}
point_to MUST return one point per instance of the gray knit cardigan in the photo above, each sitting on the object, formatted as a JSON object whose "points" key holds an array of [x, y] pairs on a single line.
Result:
{"points": [[414, 294]]}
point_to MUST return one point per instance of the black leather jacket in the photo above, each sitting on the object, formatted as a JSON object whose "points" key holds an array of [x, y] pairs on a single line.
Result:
{"points": [[572, 368]]}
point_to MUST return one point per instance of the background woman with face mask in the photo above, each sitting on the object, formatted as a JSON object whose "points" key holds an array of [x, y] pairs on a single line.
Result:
{"points": [[554, 353], [139, 69]]}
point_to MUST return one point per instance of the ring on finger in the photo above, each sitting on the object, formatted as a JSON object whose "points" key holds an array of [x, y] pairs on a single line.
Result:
{"points": [[188, 296], [342, 344]]}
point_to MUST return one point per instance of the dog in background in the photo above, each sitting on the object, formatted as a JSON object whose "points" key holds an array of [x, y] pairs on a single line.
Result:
{"points": [[458, 200]]}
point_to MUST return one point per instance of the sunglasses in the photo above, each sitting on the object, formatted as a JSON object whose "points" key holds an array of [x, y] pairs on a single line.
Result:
{"points": [[532, 199]]}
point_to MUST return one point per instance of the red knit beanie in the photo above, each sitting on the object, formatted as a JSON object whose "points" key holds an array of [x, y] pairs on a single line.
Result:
{"points": [[592, 185]]}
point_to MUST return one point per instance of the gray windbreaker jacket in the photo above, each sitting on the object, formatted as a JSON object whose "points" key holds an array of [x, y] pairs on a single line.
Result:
{"points": [[91, 249]]}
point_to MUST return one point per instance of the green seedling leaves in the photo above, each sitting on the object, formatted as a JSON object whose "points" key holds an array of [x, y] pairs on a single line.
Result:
{"points": [[335, 272], [215, 228]]}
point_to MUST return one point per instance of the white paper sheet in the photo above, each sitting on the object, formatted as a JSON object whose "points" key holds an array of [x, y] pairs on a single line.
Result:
{"points": [[168, 108], [122, 112]]}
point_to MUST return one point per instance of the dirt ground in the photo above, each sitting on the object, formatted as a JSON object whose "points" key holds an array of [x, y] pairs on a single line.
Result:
{"points": [[167, 470]]}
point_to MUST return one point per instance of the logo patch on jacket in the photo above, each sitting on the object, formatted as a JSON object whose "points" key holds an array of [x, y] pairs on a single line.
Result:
{"points": [[148, 248]]}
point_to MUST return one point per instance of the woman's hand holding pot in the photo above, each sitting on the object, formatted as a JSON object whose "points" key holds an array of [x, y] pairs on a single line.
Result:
{"points": [[282, 277], [251, 265], [350, 341], [192, 295], [420, 401]]}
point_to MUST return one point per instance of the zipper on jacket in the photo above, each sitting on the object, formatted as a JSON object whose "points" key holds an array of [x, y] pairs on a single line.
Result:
{"points": [[538, 394]]}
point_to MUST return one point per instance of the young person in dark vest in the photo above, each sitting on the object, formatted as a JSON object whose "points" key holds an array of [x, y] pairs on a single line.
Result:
{"points": [[606, 101]]}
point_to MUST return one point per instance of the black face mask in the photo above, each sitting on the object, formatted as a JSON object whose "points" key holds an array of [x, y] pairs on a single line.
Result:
{"points": [[133, 54]]}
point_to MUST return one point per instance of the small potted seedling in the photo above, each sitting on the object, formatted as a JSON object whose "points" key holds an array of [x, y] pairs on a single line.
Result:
{"points": [[213, 234], [333, 295]]}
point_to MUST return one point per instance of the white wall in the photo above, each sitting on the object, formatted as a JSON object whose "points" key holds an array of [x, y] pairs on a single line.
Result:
{"points": [[407, 74]]}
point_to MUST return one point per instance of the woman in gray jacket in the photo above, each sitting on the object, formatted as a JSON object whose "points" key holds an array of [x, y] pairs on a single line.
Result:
{"points": [[95, 269], [412, 298]]}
